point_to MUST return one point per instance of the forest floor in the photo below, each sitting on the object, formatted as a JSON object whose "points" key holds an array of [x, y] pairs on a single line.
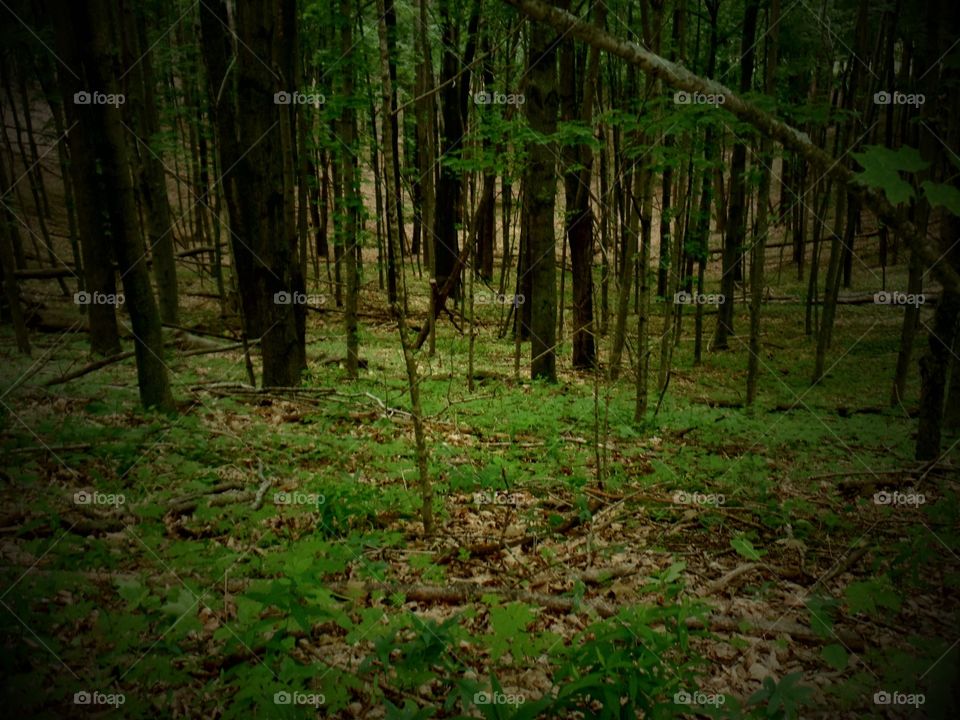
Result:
{"points": [[260, 554]]}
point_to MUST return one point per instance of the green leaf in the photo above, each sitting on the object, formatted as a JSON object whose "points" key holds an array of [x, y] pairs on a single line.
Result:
{"points": [[132, 591], [882, 167], [821, 614], [745, 548], [673, 573], [835, 656], [942, 195], [509, 624], [182, 605], [872, 596], [783, 698]]}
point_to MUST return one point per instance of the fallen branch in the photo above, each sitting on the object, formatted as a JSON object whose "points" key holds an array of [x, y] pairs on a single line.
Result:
{"points": [[265, 483], [717, 585], [842, 566], [87, 369], [725, 623], [484, 549], [47, 449], [119, 357], [462, 593], [43, 273], [188, 503]]}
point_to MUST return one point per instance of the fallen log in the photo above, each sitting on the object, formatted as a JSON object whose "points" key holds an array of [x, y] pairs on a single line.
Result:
{"points": [[104, 362], [463, 593], [43, 273]]}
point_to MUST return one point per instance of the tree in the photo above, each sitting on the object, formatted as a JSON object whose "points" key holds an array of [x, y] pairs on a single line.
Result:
{"points": [[8, 265], [87, 180], [151, 181], [102, 126], [759, 248], [737, 217], [252, 151], [539, 192], [577, 180], [455, 80], [349, 212]]}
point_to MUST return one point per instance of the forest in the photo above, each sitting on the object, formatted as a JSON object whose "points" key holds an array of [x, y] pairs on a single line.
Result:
{"points": [[500, 359]]}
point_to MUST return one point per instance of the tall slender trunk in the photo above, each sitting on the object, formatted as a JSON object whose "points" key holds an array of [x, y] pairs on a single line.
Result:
{"points": [[736, 217], [141, 103], [759, 249], [11, 288], [388, 143], [101, 27], [539, 191], [88, 184], [351, 194]]}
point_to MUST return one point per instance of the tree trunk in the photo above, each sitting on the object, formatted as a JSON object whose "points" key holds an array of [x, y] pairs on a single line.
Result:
{"points": [[455, 78], [539, 192], [577, 183], [88, 185], [759, 249], [388, 143], [264, 237], [424, 110], [831, 289], [736, 221], [101, 27], [351, 194], [11, 288], [141, 103], [629, 231]]}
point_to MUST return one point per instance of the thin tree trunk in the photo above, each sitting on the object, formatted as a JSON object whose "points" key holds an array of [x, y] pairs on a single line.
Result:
{"points": [[351, 196], [389, 161], [91, 193], [736, 218], [141, 104], [99, 25], [759, 249], [539, 191], [11, 288]]}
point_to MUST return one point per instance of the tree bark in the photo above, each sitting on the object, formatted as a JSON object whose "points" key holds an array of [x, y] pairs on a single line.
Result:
{"points": [[579, 223], [539, 192], [388, 143], [264, 238], [759, 249], [102, 27], [350, 194], [737, 211], [151, 181], [11, 288], [90, 192]]}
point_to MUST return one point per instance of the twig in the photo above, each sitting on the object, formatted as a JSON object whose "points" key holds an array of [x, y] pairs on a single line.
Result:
{"points": [[840, 567], [188, 503], [47, 448], [719, 584], [265, 483], [104, 362]]}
